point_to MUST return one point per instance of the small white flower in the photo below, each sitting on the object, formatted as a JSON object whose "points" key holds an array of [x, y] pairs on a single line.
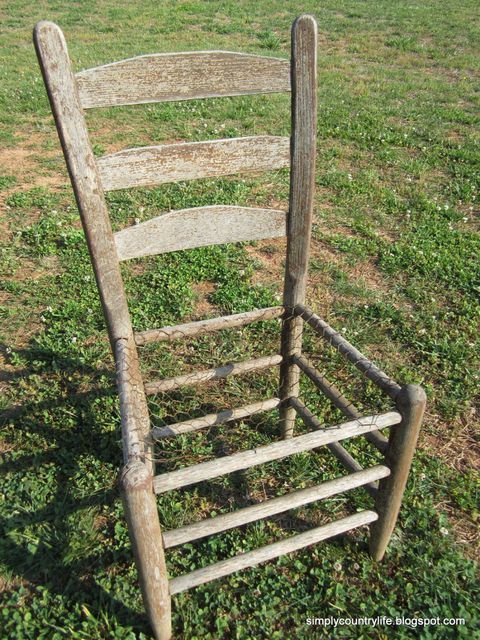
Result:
{"points": [[137, 221], [337, 566], [74, 338], [444, 531]]}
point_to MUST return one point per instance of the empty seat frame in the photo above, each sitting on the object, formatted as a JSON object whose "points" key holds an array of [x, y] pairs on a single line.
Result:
{"points": [[194, 75]]}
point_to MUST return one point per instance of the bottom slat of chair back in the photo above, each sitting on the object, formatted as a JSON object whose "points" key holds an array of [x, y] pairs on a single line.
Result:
{"points": [[269, 552]]}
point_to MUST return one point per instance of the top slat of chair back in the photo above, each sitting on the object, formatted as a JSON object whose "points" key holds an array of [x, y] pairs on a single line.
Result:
{"points": [[167, 77]]}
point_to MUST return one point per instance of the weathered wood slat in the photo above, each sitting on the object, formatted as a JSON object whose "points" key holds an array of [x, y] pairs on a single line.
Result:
{"points": [[272, 507], [275, 451], [339, 400], [165, 77], [336, 448], [302, 190], [149, 166], [199, 327], [215, 418], [252, 558], [366, 366], [199, 227], [199, 377]]}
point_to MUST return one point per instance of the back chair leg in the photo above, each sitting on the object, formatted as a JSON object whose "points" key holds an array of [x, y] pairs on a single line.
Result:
{"points": [[398, 457], [147, 542]]}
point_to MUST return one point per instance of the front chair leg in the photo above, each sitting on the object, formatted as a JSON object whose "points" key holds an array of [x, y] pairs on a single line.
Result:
{"points": [[146, 536], [398, 457]]}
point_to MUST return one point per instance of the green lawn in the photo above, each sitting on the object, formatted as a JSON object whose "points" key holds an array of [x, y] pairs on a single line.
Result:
{"points": [[394, 266]]}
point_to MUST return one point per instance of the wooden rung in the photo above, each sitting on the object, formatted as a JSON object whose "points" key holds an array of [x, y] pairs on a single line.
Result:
{"points": [[214, 418], [149, 166], [271, 551], [191, 75], [336, 448], [275, 451], [272, 507], [366, 366], [333, 394], [200, 327], [199, 377]]}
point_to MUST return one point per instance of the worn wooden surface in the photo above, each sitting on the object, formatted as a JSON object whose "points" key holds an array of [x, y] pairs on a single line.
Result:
{"points": [[69, 119], [275, 451], [215, 418], [336, 448], [149, 166], [250, 559], [135, 419], [302, 189], [272, 506], [363, 364], [199, 227], [181, 76], [142, 517], [411, 403], [199, 377], [339, 400], [200, 327]]}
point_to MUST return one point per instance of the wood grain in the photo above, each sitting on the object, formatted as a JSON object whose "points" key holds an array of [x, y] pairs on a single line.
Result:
{"points": [[302, 190], [271, 507], [199, 227], [200, 377], [252, 558], [275, 451], [200, 327], [228, 415], [149, 166], [164, 77]]}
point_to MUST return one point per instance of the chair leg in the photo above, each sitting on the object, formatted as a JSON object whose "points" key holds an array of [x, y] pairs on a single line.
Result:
{"points": [[291, 344], [146, 536], [398, 457]]}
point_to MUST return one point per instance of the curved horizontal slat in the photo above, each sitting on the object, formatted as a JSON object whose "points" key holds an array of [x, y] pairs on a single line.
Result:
{"points": [[199, 227], [165, 77], [149, 166]]}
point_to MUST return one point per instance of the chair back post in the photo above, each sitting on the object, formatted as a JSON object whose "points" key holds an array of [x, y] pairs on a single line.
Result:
{"points": [[302, 186]]}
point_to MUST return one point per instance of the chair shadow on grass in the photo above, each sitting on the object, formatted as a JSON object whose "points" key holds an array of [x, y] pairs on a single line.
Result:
{"points": [[47, 564], [46, 561]]}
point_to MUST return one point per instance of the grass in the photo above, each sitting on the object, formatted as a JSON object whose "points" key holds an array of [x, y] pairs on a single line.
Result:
{"points": [[394, 266]]}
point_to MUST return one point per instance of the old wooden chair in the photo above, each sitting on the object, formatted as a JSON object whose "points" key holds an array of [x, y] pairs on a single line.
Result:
{"points": [[193, 75]]}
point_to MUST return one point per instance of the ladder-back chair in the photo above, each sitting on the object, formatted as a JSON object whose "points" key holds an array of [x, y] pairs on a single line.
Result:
{"points": [[194, 75]]}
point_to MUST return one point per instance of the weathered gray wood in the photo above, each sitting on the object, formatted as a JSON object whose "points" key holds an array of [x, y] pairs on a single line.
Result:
{"points": [[252, 558], [199, 377], [200, 327], [401, 446], [62, 91], [302, 189], [366, 366], [272, 507], [135, 419], [165, 77], [275, 451], [199, 227], [336, 448], [215, 418], [339, 400], [146, 536], [149, 166]]}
